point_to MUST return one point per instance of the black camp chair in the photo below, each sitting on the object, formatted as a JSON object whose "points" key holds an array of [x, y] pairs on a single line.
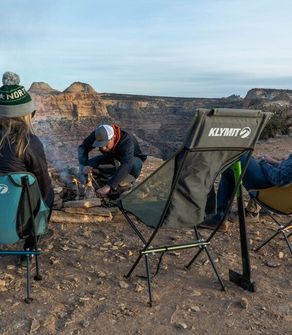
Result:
{"points": [[181, 192], [276, 200], [23, 215]]}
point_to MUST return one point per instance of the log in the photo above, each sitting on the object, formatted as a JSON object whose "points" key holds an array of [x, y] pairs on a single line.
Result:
{"points": [[63, 217], [88, 203], [93, 210]]}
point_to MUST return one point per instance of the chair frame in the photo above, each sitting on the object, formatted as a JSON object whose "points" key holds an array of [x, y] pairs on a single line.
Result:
{"points": [[28, 253], [282, 228], [244, 279]]}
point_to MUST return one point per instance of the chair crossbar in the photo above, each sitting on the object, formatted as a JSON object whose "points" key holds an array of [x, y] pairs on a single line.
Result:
{"points": [[197, 244], [19, 252]]}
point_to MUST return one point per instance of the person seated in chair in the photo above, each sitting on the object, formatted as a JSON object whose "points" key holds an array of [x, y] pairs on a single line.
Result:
{"points": [[114, 144], [20, 149], [262, 172]]}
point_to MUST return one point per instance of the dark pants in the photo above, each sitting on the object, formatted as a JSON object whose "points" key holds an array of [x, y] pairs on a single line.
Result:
{"points": [[97, 161]]}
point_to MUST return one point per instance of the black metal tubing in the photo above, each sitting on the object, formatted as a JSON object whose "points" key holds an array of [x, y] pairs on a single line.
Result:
{"points": [[204, 247], [281, 229], [28, 298], [25, 183], [148, 279], [133, 226]]}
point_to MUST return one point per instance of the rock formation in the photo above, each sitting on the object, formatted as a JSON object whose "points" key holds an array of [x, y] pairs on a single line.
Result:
{"points": [[65, 118]]}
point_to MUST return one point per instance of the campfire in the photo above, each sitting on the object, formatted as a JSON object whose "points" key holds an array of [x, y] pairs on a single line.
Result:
{"points": [[76, 200]]}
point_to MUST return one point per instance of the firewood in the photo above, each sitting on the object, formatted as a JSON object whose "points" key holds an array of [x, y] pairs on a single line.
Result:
{"points": [[63, 217], [88, 203], [93, 210]]}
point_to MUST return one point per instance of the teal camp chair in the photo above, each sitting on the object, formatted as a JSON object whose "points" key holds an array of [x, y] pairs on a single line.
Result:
{"points": [[23, 215]]}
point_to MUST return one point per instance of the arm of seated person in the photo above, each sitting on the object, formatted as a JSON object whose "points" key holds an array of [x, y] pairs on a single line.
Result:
{"points": [[270, 159]]}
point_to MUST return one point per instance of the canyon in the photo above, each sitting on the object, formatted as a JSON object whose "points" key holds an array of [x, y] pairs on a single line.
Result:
{"points": [[65, 118]]}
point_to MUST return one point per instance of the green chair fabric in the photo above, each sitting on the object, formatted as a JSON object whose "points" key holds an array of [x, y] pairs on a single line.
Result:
{"points": [[180, 194]]}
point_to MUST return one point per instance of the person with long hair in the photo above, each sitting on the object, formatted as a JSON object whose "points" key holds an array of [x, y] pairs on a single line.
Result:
{"points": [[20, 149]]}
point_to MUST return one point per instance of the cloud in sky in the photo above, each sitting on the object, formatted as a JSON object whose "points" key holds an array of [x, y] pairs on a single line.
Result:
{"points": [[207, 48]]}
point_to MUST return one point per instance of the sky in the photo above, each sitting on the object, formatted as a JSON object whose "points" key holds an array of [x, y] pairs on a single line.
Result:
{"points": [[183, 48]]}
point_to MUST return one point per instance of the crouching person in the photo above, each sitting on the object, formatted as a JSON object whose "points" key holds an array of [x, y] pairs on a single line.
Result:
{"points": [[115, 145]]}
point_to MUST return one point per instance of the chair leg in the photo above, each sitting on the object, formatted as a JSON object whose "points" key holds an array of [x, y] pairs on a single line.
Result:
{"points": [[287, 241], [148, 279], [38, 276], [267, 241], [28, 298], [134, 266], [215, 269], [193, 259], [198, 237]]}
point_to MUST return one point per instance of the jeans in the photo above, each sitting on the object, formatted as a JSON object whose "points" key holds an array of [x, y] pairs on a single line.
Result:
{"points": [[254, 178], [95, 162]]}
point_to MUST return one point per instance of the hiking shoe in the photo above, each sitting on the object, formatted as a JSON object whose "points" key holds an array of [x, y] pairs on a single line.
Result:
{"points": [[250, 217], [212, 223]]}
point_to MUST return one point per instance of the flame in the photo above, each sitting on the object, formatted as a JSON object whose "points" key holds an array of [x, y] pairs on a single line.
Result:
{"points": [[75, 181]]}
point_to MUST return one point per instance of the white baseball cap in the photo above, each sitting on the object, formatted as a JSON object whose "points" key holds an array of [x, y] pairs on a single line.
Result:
{"points": [[103, 134]]}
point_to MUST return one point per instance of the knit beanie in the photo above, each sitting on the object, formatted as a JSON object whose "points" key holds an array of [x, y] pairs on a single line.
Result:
{"points": [[14, 99]]}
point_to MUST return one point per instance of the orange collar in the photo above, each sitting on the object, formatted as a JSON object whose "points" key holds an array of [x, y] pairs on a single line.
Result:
{"points": [[117, 134]]}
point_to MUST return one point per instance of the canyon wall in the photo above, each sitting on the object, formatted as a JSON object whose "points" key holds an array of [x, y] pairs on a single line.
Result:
{"points": [[65, 118]]}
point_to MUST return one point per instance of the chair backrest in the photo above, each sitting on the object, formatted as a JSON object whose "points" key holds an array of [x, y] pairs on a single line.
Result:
{"points": [[277, 199], [178, 192], [16, 216]]}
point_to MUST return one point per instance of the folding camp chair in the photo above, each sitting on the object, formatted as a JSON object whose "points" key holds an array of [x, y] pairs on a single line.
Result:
{"points": [[276, 200], [23, 215], [181, 192]]}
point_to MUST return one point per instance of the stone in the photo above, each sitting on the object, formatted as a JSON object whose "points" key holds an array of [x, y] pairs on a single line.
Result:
{"points": [[123, 284], [3, 285], [195, 309], [244, 303], [281, 255], [85, 323], [196, 293], [181, 325], [35, 325], [272, 264]]}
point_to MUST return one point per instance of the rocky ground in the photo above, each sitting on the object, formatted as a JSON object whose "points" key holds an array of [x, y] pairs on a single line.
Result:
{"points": [[84, 290]]}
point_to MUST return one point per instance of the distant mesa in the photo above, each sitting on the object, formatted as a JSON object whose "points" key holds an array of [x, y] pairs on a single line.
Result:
{"points": [[42, 88], [269, 94], [79, 87]]}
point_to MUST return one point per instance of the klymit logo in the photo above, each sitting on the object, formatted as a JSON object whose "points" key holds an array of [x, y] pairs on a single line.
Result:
{"points": [[242, 132], [3, 188]]}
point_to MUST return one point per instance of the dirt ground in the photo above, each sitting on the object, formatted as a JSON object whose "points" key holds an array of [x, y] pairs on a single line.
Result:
{"points": [[84, 290]]}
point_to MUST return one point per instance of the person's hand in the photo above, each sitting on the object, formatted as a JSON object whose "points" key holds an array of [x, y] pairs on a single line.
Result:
{"points": [[104, 190], [87, 169], [269, 159]]}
